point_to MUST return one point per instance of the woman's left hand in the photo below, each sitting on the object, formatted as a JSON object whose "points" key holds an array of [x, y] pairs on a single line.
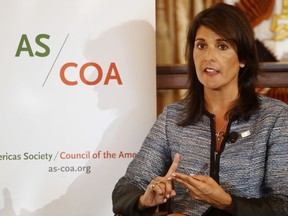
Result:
{"points": [[205, 189]]}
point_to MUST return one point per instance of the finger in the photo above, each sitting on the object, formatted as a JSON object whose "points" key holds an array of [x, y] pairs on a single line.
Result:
{"points": [[166, 186], [188, 183], [181, 176], [160, 182], [193, 184], [160, 187], [182, 179], [166, 189], [157, 187], [193, 179], [201, 178], [151, 197], [169, 191], [174, 165], [158, 190]]}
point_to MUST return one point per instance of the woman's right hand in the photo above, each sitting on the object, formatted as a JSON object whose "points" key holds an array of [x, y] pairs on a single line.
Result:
{"points": [[159, 189]]}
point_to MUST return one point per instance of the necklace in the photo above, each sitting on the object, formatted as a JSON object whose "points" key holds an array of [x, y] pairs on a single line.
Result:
{"points": [[220, 133]]}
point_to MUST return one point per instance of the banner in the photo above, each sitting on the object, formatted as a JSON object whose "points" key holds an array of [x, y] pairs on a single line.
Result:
{"points": [[78, 96]]}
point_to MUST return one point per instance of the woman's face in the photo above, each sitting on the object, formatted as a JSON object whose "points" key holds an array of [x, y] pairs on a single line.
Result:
{"points": [[216, 61]]}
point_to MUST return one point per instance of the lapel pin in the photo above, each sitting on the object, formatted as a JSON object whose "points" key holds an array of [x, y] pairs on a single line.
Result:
{"points": [[245, 133]]}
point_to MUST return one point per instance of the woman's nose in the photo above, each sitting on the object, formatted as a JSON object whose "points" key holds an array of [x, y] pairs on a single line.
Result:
{"points": [[210, 55]]}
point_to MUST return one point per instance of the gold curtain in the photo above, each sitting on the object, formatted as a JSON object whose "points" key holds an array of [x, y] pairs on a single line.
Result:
{"points": [[172, 18]]}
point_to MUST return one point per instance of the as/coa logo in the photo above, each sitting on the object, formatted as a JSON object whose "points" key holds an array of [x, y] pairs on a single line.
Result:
{"points": [[112, 73]]}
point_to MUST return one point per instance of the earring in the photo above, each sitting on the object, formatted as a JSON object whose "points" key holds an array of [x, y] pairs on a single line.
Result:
{"points": [[242, 65]]}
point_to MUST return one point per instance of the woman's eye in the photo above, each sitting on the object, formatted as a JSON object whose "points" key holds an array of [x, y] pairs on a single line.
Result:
{"points": [[200, 46], [223, 47]]}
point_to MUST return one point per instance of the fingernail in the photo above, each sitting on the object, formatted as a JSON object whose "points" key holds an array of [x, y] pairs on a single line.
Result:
{"points": [[165, 200], [173, 174], [168, 196]]}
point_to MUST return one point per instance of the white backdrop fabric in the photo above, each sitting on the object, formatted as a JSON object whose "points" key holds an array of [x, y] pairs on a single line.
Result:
{"points": [[78, 96]]}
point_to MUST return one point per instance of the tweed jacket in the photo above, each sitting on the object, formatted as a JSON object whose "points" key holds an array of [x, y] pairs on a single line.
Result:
{"points": [[253, 169]]}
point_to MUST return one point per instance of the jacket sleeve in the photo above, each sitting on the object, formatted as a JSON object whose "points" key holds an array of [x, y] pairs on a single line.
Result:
{"points": [[275, 200], [152, 160], [125, 200], [265, 206]]}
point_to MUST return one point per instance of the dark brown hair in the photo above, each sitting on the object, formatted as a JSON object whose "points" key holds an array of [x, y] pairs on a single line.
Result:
{"points": [[230, 23]]}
